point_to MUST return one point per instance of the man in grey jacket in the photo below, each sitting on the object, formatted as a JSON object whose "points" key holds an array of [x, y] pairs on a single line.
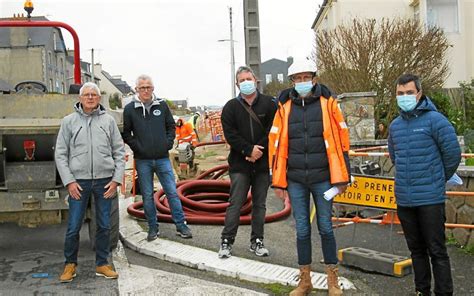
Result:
{"points": [[90, 158]]}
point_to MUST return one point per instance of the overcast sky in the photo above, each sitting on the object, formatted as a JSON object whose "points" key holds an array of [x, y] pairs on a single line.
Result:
{"points": [[175, 41]]}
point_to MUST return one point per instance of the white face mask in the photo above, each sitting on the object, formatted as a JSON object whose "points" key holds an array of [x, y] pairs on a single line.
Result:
{"points": [[247, 87], [303, 88], [406, 102]]}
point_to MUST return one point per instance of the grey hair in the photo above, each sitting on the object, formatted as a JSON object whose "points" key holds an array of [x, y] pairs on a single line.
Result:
{"points": [[143, 77], [89, 85], [246, 69]]}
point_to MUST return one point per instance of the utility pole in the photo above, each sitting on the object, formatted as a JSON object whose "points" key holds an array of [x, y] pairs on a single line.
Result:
{"points": [[252, 37], [92, 66], [232, 58]]}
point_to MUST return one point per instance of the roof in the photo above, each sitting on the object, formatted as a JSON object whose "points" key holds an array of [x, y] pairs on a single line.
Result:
{"points": [[118, 83], [320, 12], [37, 36]]}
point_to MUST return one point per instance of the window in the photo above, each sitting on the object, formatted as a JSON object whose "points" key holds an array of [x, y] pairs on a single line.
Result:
{"points": [[54, 42], [50, 85], [268, 78], [63, 88], [50, 58], [443, 14], [416, 12], [280, 77]]}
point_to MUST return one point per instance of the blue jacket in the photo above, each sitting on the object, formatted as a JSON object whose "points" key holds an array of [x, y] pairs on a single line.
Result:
{"points": [[426, 153]]}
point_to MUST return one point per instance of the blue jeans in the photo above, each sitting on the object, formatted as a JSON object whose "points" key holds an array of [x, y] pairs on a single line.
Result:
{"points": [[146, 168], [299, 197], [77, 210], [424, 231]]}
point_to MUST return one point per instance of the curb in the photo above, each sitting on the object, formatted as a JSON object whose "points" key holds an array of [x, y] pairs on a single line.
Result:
{"points": [[134, 237]]}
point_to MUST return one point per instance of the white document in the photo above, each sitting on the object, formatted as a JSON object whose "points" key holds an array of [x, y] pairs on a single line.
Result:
{"points": [[331, 193]]}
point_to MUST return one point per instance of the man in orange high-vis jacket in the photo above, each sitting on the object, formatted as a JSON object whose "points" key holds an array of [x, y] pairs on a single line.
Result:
{"points": [[308, 153], [185, 132]]}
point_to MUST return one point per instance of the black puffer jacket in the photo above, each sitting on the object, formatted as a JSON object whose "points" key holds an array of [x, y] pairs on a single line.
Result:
{"points": [[242, 132], [307, 156]]}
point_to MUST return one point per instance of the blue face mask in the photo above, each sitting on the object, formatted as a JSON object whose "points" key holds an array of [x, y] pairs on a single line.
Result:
{"points": [[247, 87], [407, 102], [303, 88]]}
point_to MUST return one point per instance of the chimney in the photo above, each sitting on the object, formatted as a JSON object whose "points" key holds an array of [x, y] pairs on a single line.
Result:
{"points": [[289, 61]]}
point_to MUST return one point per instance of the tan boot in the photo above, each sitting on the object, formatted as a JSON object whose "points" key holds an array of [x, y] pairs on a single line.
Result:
{"points": [[304, 286], [333, 281], [106, 271], [69, 273]]}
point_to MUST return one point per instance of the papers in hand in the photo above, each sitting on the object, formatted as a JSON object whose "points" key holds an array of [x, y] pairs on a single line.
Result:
{"points": [[331, 193]]}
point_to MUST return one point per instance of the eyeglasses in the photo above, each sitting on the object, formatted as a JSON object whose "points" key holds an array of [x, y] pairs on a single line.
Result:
{"points": [[145, 88], [93, 96]]}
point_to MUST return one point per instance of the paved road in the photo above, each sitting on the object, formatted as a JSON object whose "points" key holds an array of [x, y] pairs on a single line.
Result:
{"points": [[27, 252], [280, 240]]}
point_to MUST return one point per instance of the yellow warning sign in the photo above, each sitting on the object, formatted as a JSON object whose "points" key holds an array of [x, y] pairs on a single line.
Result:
{"points": [[370, 191]]}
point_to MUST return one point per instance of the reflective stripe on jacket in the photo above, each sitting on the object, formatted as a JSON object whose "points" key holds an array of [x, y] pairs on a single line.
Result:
{"points": [[336, 138]]}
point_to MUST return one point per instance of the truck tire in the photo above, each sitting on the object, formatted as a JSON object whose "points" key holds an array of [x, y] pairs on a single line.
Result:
{"points": [[114, 224]]}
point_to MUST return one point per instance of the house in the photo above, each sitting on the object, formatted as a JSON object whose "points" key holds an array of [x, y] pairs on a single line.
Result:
{"points": [[33, 54], [455, 17], [110, 84], [275, 70], [86, 70]]}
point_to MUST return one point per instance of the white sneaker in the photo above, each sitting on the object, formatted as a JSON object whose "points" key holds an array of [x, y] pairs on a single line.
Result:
{"points": [[225, 250], [259, 248]]}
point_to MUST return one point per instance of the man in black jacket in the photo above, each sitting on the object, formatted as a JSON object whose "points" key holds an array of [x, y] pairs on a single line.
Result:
{"points": [[246, 121], [149, 129]]}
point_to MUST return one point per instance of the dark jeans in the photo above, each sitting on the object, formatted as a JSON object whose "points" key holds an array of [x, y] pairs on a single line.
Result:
{"points": [[146, 168], [77, 210], [240, 184], [300, 203], [423, 227]]}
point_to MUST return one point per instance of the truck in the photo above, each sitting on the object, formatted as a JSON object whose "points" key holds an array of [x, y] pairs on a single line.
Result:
{"points": [[31, 190]]}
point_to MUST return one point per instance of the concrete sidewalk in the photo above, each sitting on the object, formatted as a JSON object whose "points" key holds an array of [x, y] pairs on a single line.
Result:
{"points": [[139, 280], [134, 237]]}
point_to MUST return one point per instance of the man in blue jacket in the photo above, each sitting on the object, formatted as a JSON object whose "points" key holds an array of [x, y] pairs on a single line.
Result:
{"points": [[426, 153], [149, 129]]}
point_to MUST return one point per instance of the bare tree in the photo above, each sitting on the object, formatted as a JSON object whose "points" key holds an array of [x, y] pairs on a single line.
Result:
{"points": [[275, 87], [369, 56]]}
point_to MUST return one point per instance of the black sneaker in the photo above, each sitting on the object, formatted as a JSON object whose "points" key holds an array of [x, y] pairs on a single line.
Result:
{"points": [[153, 233], [184, 231], [258, 248], [225, 250]]}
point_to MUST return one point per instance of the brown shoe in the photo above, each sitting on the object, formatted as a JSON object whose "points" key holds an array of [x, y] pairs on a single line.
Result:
{"points": [[69, 273], [304, 286], [106, 271], [333, 280]]}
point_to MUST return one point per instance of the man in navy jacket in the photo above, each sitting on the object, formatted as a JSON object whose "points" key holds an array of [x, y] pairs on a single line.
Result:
{"points": [[149, 130], [426, 153]]}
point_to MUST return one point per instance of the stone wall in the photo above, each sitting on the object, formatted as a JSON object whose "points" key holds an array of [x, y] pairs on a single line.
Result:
{"points": [[460, 209], [358, 110]]}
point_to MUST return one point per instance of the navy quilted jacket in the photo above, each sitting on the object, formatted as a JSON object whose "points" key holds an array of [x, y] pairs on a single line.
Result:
{"points": [[426, 153]]}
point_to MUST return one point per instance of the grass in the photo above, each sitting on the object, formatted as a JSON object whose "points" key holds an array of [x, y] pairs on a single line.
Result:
{"points": [[451, 241], [278, 289]]}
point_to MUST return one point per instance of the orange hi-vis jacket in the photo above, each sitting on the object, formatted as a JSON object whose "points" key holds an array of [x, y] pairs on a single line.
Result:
{"points": [[185, 133], [336, 138]]}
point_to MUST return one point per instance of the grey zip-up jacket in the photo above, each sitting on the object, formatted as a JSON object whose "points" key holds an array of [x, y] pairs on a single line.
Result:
{"points": [[89, 146]]}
